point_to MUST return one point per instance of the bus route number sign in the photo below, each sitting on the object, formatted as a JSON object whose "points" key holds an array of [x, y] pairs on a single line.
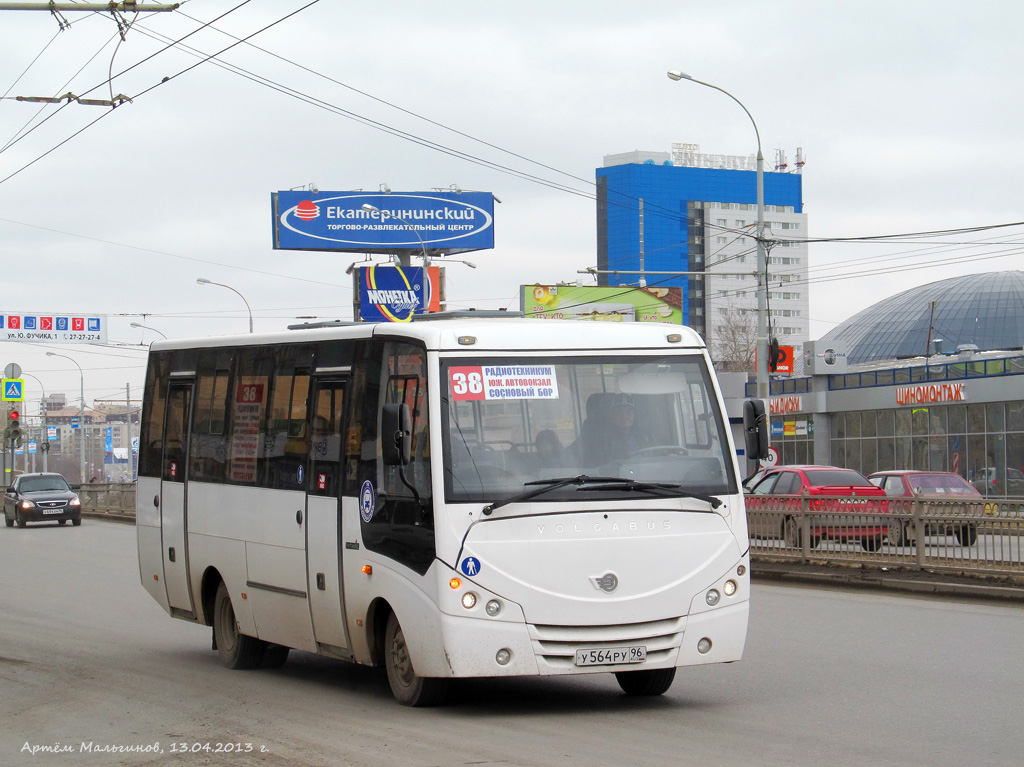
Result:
{"points": [[483, 382]]}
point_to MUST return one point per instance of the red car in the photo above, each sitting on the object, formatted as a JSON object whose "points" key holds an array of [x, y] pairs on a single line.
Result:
{"points": [[818, 481], [941, 486]]}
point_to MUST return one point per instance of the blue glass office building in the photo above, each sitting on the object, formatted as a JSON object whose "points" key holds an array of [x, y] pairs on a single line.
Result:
{"points": [[680, 226]]}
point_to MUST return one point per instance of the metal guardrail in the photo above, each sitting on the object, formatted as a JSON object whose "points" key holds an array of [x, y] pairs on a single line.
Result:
{"points": [[114, 498], [984, 537]]}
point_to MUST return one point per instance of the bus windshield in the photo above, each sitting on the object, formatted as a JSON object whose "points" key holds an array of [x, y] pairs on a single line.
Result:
{"points": [[511, 421]]}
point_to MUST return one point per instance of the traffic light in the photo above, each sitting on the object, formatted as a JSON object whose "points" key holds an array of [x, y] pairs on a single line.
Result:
{"points": [[13, 430], [773, 355]]}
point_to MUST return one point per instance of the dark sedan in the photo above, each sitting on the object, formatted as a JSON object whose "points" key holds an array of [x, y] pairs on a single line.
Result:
{"points": [[41, 498]]}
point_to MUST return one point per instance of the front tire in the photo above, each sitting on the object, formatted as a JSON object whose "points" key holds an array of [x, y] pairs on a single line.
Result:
{"points": [[76, 522], [790, 534], [22, 522], [649, 682], [408, 688], [967, 535], [236, 650]]}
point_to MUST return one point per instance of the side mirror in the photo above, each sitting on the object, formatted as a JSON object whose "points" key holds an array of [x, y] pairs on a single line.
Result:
{"points": [[755, 429], [396, 434]]}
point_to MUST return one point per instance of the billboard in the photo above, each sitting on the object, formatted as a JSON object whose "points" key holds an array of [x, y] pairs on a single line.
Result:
{"points": [[53, 327], [606, 304], [450, 222], [397, 293]]}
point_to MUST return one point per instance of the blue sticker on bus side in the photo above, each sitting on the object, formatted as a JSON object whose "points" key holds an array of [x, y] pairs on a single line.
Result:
{"points": [[470, 565], [367, 503], [300, 474]]}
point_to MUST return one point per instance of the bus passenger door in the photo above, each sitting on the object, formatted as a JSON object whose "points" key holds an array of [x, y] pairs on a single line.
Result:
{"points": [[324, 548], [174, 496]]}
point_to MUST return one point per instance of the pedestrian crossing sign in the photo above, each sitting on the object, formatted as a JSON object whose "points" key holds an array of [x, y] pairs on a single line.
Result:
{"points": [[14, 390]]}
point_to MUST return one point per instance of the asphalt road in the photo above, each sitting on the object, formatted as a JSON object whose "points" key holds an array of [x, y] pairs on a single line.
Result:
{"points": [[830, 677]]}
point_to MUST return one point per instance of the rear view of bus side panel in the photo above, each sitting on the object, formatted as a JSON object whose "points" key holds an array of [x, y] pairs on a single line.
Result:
{"points": [[147, 491]]}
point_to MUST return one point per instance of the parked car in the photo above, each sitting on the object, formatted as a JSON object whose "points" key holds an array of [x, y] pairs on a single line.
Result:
{"points": [[41, 498], [928, 485], [991, 483], [817, 481]]}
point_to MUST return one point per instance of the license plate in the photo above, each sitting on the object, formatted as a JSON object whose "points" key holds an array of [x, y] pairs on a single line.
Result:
{"points": [[53, 511], [611, 656]]}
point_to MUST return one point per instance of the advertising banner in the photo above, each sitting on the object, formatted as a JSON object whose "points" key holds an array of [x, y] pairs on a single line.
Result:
{"points": [[397, 293], [605, 304], [53, 327], [450, 222]]}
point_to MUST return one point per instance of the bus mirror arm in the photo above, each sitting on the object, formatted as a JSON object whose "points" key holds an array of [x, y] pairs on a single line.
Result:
{"points": [[395, 431]]}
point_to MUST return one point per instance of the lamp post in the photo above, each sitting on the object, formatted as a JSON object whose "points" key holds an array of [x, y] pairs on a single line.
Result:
{"points": [[423, 245], [81, 412], [762, 255], [45, 440], [204, 281], [147, 327]]}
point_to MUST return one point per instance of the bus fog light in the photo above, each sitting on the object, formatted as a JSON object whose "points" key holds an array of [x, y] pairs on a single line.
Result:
{"points": [[704, 646], [469, 600], [729, 588], [712, 597], [493, 607], [503, 657], [741, 569]]}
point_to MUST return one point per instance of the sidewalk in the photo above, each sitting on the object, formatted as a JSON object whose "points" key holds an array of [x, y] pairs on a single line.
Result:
{"points": [[890, 579]]}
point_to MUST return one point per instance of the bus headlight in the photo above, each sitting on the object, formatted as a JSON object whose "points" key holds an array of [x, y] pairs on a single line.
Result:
{"points": [[469, 600], [712, 597], [729, 588]]}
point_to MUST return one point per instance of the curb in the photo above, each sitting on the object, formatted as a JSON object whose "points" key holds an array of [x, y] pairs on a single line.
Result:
{"points": [[892, 580]]}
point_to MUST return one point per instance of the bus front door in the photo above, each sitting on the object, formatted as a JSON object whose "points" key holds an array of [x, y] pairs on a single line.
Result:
{"points": [[324, 549], [174, 497]]}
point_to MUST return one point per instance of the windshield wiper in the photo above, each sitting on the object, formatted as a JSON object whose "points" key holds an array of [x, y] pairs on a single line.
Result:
{"points": [[663, 489], [547, 485]]}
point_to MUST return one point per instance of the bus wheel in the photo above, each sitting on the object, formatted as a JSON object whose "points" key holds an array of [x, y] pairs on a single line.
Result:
{"points": [[236, 650], [651, 682], [274, 656], [967, 535], [408, 689]]}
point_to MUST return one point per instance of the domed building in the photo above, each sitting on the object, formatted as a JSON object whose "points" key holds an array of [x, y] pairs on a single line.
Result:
{"points": [[986, 310], [930, 379]]}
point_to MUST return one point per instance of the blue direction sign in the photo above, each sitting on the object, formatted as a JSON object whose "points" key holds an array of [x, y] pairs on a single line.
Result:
{"points": [[74, 422], [14, 390]]}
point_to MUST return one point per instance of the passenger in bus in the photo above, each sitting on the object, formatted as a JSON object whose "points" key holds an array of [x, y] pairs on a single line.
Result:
{"points": [[549, 449]]}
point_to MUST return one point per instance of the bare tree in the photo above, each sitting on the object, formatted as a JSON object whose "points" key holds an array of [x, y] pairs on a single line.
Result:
{"points": [[734, 341]]}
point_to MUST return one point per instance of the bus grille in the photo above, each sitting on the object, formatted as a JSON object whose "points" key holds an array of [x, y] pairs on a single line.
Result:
{"points": [[556, 646]]}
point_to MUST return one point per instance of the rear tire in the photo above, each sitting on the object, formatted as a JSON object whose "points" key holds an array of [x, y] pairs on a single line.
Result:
{"points": [[791, 536], [408, 688], [236, 650], [871, 543], [62, 522], [897, 535], [650, 682], [8, 521]]}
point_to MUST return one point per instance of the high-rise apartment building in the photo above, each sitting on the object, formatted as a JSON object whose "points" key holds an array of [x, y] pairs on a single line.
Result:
{"points": [[666, 213]]}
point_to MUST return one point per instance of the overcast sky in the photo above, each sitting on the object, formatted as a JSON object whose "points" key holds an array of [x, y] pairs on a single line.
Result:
{"points": [[909, 114]]}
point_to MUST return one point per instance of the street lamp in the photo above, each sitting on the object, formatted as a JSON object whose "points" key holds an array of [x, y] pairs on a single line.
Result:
{"points": [[81, 411], [147, 327], [423, 245], [203, 281], [762, 256], [46, 439]]}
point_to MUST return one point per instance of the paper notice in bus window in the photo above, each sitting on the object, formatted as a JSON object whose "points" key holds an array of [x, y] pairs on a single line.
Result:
{"points": [[503, 382], [246, 417]]}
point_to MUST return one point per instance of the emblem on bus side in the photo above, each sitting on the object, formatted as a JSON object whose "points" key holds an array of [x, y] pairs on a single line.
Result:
{"points": [[607, 582], [366, 501]]}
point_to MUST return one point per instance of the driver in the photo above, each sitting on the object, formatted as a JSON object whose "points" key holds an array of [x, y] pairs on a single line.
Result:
{"points": [[618, 435]]}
